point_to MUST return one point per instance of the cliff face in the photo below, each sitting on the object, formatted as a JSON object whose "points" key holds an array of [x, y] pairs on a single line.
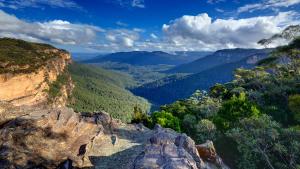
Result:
{"points": [[31, 88]]}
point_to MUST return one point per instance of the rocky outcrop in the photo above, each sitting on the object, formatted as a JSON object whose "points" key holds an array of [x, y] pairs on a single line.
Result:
{"points": [[170, 150], [37, 137], [31, 88], [47, 137], [208, 153]]}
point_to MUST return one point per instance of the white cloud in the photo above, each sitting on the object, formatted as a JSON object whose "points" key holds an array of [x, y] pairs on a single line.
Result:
{"points": [[128, 3], [201, 32], [268, 4], [119, 23], [138, 3], [121, 37], [186, 33], [55, 32], [219, 10], [215, 1], [153, 36], [16, 4]]}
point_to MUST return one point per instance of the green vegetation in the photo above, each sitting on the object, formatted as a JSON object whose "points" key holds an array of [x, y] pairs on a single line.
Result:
{"points": [[253, 119], [55, 87], [142, 74], [98, 89], [233, 110], [263, 143], [294, 105], [166, 119], [21, 56]]}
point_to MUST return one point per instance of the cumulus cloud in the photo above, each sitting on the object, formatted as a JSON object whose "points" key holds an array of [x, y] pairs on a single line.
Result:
{"points": [[268, 4], [117, 40], [56, 31], [201, 32], [16, 4]]}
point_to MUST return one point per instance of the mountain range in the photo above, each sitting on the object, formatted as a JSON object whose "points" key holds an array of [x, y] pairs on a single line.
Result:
{"points": [[176, 87], [143, 58], [215, 59]]}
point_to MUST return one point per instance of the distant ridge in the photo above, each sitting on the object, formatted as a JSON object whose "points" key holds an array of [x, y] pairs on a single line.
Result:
{"points": [[218, 58], [144, 58], [179, 87]]}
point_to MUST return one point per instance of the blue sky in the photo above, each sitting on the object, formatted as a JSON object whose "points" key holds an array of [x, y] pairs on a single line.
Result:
{"points": [[126, 25]]}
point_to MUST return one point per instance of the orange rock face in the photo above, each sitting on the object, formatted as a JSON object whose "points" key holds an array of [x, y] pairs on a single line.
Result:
{"points": [[207, 151], [30, 88]]}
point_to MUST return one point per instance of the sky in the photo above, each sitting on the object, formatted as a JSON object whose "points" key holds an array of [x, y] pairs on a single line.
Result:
{"points": [[151, 25]]}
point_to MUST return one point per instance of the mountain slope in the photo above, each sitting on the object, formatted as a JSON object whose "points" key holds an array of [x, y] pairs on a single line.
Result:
{"points": [[218, 58], [169, 89], [98, 89], [142, 58]]}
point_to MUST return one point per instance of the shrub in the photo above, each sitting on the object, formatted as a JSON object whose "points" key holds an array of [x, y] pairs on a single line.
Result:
{"points": [[188, 124], [166, 119], [233, 110], [294, 106], [141, 117], [205, 130]]}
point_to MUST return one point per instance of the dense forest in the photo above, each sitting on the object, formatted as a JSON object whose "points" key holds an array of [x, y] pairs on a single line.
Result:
{"points": [[98, 89], [141, 74], [254, 120]]}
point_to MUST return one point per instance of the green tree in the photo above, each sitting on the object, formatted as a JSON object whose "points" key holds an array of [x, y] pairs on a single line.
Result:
{"points": [[166, 119], [177, 109], [294, 106], [218, 90], [264, 144], [205, 130], [234, 110], [188, 124]]}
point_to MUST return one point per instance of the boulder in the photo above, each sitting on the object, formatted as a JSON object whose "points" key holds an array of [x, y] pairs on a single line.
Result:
{"points": [[48, 140], [208, 153], [170, 150]]}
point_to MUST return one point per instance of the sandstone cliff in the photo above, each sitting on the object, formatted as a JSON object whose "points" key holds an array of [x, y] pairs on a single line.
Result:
{"points": [[20, 86]]}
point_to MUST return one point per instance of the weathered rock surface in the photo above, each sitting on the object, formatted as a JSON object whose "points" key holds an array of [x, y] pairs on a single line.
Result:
{"points": [[30, 88], [46, 141], [170, 150], [46, 138], [208, 153]]}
